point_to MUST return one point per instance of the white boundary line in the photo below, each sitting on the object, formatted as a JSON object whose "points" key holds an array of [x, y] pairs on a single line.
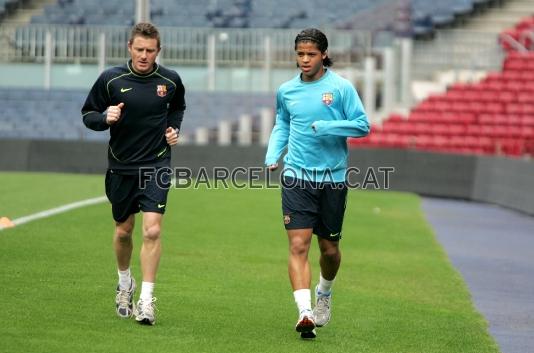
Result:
{"points": [[57, 210]]}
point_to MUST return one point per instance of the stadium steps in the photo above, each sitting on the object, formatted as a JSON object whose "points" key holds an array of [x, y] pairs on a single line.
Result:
{"points": [[24, 14], [455, 50], [453, 55], [504, 17], [472, 47]]}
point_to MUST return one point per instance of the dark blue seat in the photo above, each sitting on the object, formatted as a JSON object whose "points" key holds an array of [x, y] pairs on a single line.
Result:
{"points": [[55, 114]]}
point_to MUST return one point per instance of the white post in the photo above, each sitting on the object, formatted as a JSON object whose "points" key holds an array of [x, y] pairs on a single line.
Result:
{"points": [[268, 64], [48, 60], [142, 11], [406, 71], [142, 14], [211, 62], [224, 133], [101, 52], [245, 130], [369, 90], [388, 79], [202, 135], [267, 122]]}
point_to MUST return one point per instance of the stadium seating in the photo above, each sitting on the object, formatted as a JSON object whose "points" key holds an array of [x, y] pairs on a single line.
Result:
{"points": [[202, 13], [492, 117], [427, 14], [55, 114], [8, 6]]}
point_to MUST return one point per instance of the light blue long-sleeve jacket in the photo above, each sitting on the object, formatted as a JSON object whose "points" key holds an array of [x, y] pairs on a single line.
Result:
{"points": [[313, 120]]}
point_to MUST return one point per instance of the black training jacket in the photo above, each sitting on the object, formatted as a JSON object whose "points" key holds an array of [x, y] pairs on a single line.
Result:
{"points": [[152, 102]]}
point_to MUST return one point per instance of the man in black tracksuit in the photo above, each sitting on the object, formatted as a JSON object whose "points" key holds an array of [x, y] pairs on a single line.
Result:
{"points": [[142, 103]]}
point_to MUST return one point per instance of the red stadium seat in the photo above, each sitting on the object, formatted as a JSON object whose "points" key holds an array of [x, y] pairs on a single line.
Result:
{"points": [[492, 131], [396, 127], [512, 120], [457, 142], [495, 116], [423, 142], [529, 86], [422, 129], [440, 129], [527, 120], [510, 147], [506, 97], [421, 116], [457, 129], [474, 130], [396, 117], [396, 141], [527, 132], [529, 147]]}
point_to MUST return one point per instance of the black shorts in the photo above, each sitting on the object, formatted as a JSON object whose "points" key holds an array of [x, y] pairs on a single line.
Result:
{"points": [[320, 206], [131, 193]]}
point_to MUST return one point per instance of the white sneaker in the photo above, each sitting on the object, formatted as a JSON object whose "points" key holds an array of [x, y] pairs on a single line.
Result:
{"points": [[146, 311], [124, 305], [306, 322], [322, 310]]}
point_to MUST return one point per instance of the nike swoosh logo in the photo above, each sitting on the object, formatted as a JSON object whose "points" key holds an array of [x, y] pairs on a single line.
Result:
{"points": [[160, 205], [334, 235], [125, 89]]}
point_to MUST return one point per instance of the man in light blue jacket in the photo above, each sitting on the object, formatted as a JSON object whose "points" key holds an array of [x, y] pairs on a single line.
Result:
{"points": [[316, 111]]}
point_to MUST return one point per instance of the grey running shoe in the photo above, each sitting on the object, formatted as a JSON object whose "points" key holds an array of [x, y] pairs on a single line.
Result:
{"points": [[322, 310], [124, 300], [146, 311], [306, 322]]}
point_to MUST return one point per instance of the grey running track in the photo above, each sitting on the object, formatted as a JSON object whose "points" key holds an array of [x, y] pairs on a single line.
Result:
{"points": [[493, 248]]}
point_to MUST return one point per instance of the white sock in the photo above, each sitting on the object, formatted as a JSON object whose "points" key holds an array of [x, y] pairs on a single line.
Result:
{"points": [[325, 286], [302, 299], [147, 289], [125, 279]]}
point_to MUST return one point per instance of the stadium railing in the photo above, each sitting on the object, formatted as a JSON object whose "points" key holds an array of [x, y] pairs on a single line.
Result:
{"points": [[27, 43]]}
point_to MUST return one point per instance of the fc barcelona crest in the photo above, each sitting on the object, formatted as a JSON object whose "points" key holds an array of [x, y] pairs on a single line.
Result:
{"points": [[328, 98], [287, 219], [162, 90]]}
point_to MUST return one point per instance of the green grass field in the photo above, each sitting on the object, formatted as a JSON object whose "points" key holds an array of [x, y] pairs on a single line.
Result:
{"points": [[223, 285]]}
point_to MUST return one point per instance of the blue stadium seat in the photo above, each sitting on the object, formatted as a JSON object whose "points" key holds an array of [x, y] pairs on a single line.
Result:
{"points": [[55, 114], [427, 14], [441, 13], [203, 13]]}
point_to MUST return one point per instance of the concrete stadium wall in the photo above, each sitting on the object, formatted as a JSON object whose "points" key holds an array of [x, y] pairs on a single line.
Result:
{"points": [[506, 182]]}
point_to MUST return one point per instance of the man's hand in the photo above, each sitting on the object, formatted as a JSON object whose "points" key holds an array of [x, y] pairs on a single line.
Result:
{"points": [[171, 135], [272, 167], [114, 113]]}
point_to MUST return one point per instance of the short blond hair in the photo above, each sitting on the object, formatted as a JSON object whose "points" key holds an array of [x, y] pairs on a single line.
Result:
{"points": [[145, 29]]}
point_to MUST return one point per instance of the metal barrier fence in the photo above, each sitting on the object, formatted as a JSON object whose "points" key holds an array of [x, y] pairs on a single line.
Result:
{"points": [[181, 46], [258, 51]]}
